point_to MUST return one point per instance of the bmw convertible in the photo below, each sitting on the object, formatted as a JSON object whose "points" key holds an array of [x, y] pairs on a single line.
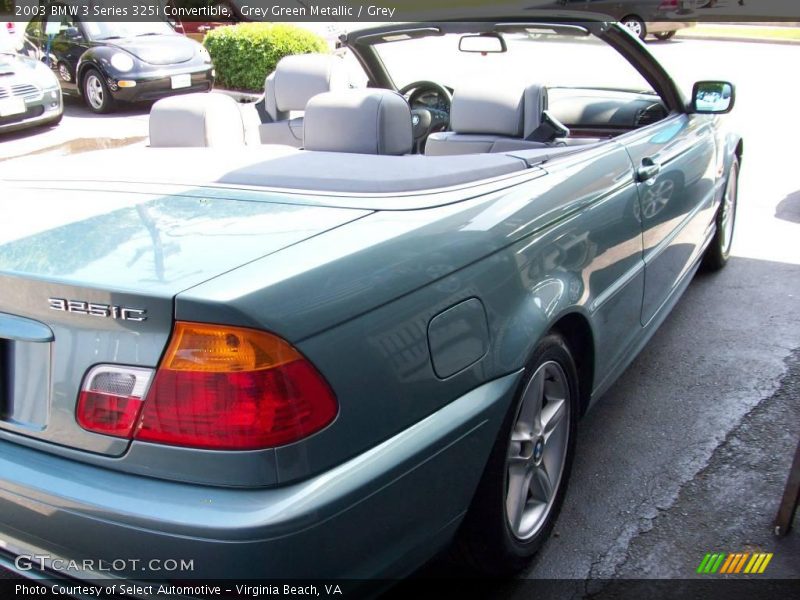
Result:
{"points": [[371, 336]]}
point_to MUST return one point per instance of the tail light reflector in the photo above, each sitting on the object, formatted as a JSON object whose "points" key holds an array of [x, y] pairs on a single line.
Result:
{"points": [[111, 399], [233, 388]]}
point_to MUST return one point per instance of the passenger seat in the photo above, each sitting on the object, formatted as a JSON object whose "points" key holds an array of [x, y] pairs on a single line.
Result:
{"points": [[487, 119], [294, 82], [362, 121]]}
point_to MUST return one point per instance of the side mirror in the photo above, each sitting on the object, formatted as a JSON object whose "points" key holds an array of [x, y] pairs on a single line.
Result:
{"points": [[72, 33], [713, 97], [484, 43]]}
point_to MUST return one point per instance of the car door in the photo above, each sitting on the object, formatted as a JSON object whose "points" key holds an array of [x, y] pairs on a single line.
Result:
{"points": [[66, 48], [674, 168]]}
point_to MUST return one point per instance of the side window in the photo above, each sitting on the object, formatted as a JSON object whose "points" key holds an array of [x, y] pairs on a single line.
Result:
{"points": [[63, 26]]}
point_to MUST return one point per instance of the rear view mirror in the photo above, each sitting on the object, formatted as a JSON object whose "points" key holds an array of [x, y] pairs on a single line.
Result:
{"points": [[485, 43], [713, 97]]}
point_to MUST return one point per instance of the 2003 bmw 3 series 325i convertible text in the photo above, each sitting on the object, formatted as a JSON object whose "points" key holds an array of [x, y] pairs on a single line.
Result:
{"points": [[335, 361]]}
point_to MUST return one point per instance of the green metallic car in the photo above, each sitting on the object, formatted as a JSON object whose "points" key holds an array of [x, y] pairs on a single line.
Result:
{"points": [[370, 337]]}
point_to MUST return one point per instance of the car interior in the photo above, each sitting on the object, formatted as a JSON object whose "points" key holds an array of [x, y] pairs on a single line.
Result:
{"points": [[310, 109]]}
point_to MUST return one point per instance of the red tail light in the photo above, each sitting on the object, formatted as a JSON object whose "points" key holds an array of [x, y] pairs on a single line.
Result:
{"points": [[10, 27], [111, 397], [231, 388]]}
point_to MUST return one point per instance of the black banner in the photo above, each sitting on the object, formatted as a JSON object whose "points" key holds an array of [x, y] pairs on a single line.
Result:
{"points": [[745, 588], [760, 11]]}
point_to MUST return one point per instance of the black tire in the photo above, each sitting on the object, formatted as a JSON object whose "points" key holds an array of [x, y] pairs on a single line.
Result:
{"points": [[101, 103], [665, 35], [719, 251], [637, 25], [485, 543]]}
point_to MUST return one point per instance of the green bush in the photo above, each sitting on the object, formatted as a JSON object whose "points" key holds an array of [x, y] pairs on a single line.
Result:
{"points": [[246, 53]]}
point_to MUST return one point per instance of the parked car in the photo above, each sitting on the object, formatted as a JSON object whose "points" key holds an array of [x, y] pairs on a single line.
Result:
{"points": [[29, 92], [659, 18], [110, 62], [334, 361]]}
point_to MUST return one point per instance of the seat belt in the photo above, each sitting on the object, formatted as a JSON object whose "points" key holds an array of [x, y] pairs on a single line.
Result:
{"points": [[548, 130], [261, 109]]}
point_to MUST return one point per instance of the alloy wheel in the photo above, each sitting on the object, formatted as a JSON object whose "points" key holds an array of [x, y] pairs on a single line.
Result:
{"points": [[95, 93], [729, 212], [537, 450]]}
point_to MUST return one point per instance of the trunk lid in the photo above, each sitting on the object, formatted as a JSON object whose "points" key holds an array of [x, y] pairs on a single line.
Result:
{"points": [[73, 263]]}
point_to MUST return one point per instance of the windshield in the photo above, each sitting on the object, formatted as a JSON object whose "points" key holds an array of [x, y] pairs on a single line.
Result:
{"points": [[549, 59], [124, 29]]}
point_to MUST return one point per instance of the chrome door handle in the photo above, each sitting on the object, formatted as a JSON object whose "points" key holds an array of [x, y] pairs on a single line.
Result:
{"points": [[648, 169]]}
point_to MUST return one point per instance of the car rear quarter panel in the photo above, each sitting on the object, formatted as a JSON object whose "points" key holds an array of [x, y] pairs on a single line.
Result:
{"points": [[357, 301]]}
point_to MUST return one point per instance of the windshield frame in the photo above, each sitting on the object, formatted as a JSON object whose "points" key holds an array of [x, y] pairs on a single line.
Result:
{"points": [[362, 43]]}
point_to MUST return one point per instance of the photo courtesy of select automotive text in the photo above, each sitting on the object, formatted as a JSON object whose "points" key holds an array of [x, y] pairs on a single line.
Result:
{"points": [[399, 299]]}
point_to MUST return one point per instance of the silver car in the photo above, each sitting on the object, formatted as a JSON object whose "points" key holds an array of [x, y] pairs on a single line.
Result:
{"points": [[29, 91]]}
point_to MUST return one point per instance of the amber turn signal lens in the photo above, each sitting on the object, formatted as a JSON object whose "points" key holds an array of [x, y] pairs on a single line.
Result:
{"points": [[232, 388], [216, 349]]}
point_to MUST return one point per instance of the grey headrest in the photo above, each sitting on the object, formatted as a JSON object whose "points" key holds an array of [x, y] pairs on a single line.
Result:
{"points": [[363, 121], [300, 77], [508, 111], [192, 120]]}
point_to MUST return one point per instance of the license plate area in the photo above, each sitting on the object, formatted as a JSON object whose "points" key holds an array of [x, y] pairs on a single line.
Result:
{"points": [[24, 384], [12, 106], [181, 81]]}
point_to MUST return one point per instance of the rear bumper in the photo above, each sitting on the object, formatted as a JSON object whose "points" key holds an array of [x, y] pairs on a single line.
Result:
{"points": [[381, 514], [665, 26]]}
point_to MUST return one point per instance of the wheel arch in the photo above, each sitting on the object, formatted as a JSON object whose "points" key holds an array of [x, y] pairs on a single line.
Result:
{"points": [[577, 332], [88, 61]]}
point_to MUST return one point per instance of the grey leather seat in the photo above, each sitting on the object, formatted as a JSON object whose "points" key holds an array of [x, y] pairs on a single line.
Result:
{"points": [[360, 121], [487, 119], [295, 80], [192, 120]]}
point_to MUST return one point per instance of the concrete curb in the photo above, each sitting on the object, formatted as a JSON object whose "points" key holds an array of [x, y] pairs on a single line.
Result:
{"points": [[719, 38]]}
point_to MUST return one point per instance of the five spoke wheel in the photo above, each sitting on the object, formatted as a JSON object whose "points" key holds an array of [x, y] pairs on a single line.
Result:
{"points": [[537, 450]]}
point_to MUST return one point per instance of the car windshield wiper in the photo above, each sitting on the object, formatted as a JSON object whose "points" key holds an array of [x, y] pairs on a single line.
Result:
{"points": [[111, 37], [148, 33]]}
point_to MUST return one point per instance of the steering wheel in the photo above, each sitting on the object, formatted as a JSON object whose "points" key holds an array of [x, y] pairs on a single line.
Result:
{"points": [[425, 122]]}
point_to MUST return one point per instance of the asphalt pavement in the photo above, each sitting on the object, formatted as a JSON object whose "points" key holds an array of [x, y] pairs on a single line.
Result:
{"points": [[689, 451]]}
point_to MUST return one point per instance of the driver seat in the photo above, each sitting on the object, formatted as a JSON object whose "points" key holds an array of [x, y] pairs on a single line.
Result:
{"points": [[486, 119], [295, 80]]}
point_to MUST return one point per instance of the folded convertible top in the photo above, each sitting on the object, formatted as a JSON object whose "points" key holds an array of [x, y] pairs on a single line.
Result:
{"points": [[270, 167]]}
